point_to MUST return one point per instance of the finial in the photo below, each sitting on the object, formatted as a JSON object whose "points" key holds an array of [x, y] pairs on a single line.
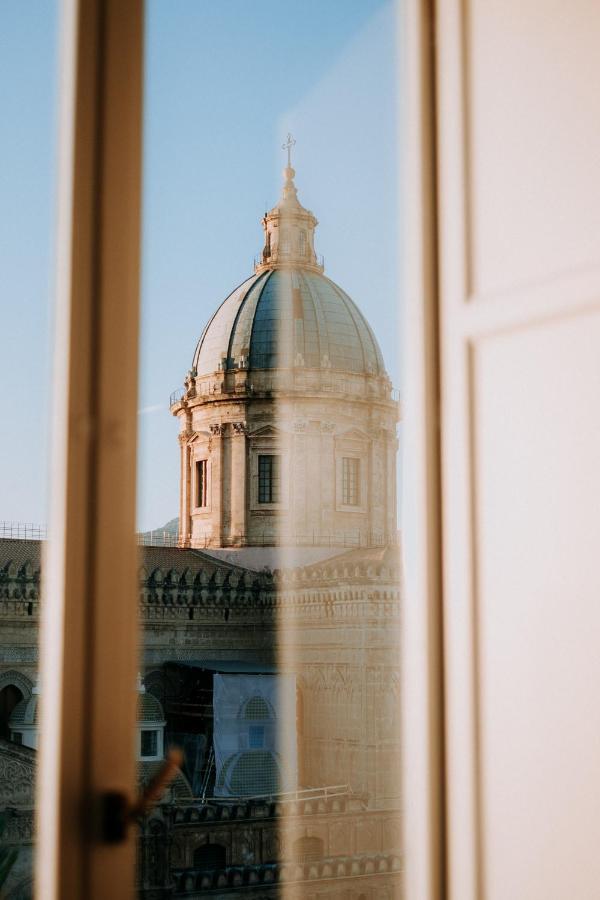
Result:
{"points": [[289, 143]]}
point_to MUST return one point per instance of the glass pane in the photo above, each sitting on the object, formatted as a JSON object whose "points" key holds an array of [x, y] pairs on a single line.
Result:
{"points": [[268, 482], [28, 84]]}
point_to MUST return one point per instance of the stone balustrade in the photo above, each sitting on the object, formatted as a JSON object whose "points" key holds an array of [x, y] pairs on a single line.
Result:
{"points": [[189, 881]]}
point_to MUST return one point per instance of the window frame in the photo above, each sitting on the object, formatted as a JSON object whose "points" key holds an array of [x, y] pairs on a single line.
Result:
{"points": [[153, 733], [351, 475], [201, 493], [90, 563], [272, 484], [88, 716]]}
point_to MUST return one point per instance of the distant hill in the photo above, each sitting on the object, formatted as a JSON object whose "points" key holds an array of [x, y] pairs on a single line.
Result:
{"points": [[166, 535]]}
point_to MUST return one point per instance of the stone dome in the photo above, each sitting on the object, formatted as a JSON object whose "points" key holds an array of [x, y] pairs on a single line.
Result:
{"points": [[251, 773], [149, 709], [288, 317]]}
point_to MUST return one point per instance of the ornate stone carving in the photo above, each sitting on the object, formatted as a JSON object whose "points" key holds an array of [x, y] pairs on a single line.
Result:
{"points": [[327, 427], [19, 654], [239, 427], [16, 778], [217, 428]]}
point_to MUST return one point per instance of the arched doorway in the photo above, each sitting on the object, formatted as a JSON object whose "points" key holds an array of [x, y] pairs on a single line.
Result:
{"points": [[10, 695]]}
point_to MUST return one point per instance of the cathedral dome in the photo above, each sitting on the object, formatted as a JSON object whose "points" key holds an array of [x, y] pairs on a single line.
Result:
{"points": [[288, 314], [287, 317], [287, 417]]}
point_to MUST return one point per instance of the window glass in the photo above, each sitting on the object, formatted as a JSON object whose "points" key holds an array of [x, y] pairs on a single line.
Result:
{"points": [[269, 426], [256, 736], [201, 482], [350, 481], [149, 743], [28, 88], [268, 479]]}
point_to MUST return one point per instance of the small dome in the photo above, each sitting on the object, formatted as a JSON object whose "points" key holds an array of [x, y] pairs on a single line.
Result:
{"points": [[149, 710], [25, 713], [286, 318], [257, 708], [251, 773]]}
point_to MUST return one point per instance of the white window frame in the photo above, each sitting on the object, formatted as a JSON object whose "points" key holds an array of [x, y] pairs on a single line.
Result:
{"points": [[88, 716], [157, 730]]}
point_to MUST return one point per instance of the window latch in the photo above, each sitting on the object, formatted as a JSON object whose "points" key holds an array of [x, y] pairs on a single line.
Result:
{"points": [[117, 811]]}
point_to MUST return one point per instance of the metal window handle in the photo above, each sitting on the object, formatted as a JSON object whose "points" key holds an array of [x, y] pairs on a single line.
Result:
{"points": [[117, 810]]}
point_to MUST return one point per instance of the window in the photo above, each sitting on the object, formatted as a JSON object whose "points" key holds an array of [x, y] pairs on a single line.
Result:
{"points": [[149, 743], [201, 482], [17, 737], [256, 737], [9, 697], [350, 481], [269, 479], [284, 243], [302, 243]]}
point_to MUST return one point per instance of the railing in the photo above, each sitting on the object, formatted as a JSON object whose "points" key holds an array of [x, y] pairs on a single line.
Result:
{"points": [[23, 531], [158, 538], [26, 531], [268, 361], [291, 257], [318, 793], [176, 396], [344, 539]]}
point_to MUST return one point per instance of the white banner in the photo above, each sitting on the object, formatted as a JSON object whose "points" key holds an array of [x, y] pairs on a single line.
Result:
{"points": [[254, 734]]}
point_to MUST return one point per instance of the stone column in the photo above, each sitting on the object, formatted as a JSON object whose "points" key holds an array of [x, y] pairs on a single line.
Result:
{"points": [[185, 525], [216, 483], [391, 446], [238, 484], [327, 475], [298, 479]]}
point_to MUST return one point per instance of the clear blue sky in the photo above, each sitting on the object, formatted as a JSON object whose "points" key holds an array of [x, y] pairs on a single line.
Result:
{"points": [[225, 81]]}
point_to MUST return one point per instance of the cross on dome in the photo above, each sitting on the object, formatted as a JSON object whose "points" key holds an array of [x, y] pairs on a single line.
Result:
{"points": [[289, 143], [289, 227]]}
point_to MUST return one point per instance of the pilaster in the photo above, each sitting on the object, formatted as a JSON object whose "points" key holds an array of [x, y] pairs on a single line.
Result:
{"points": [[238, 483], [185, 524], [217, 431]]}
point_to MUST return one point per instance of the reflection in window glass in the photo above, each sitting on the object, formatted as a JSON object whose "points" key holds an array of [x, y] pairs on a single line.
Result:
{"points": [[149, 743], [270, 593], [350, 482], [28, 82]]}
